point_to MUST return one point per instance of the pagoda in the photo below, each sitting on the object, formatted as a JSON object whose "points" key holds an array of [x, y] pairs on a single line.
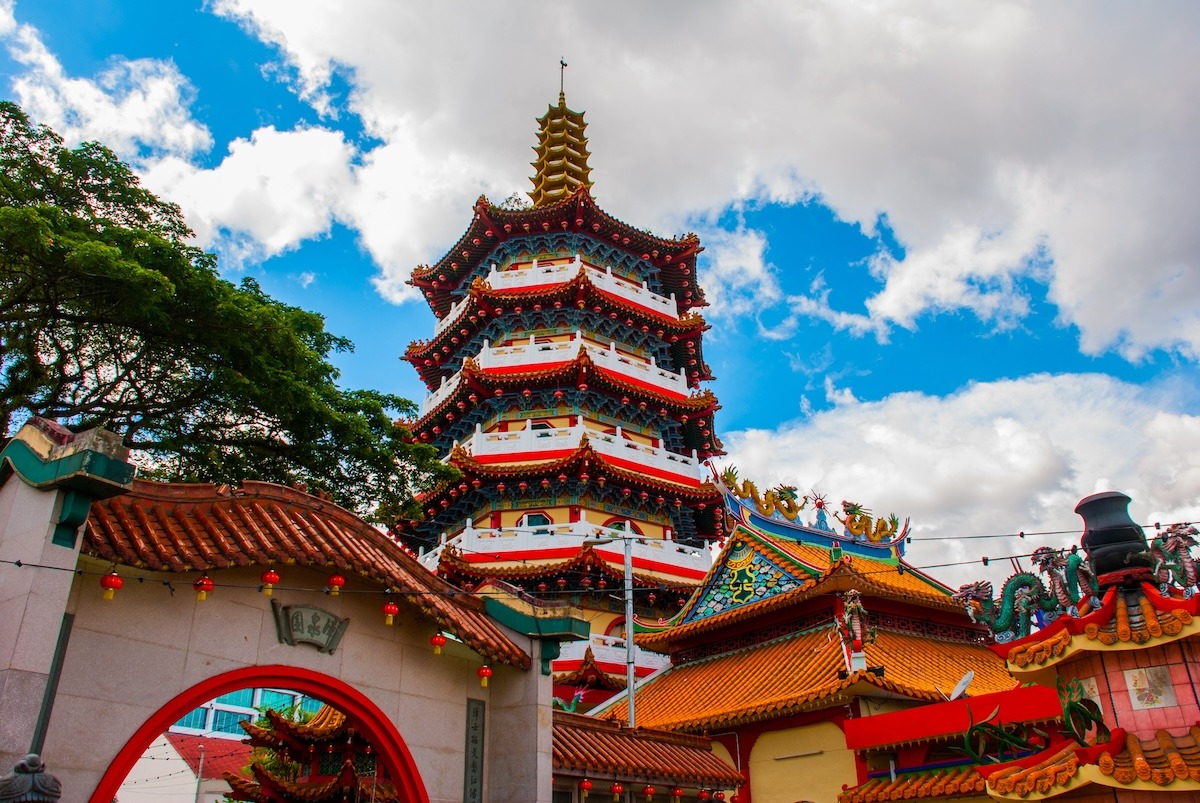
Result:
{"points": [[809, 620], [564, 376], [323, 759]]}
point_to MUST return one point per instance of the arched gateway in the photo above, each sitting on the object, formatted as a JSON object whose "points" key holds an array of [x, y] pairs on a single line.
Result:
{"points": [[392, 754], [88, 682]]}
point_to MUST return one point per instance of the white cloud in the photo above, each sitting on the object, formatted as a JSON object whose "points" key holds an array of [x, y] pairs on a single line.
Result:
{"points": [[992, 136], [136, 107], [999, 457], [270, 193]]}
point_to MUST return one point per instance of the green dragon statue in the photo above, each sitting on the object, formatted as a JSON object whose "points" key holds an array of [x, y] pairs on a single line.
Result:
{"points": [[1023, 601]]}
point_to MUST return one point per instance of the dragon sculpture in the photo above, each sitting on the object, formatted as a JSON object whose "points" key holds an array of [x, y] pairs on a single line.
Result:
{"points": [[858, 523], [1071, 578], [1023, 600], [1171, 551], [782, 498], [569, 708]]}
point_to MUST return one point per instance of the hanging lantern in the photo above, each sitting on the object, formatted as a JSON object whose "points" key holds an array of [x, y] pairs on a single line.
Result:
{"points": [[734, 798], [269, 579], [390, 609], [602, 583], [649, 792], [562, 582], [335, 584], [585, 786], [676, 794], [484, 673], [719, 796], [616, 790], [111, 583], [702, 795], [203, 585], [542, 586], [652, 597], [437, 641]]}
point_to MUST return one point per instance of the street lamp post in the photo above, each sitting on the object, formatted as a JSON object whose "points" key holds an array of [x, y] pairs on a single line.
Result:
{"points": [[629, 667]]}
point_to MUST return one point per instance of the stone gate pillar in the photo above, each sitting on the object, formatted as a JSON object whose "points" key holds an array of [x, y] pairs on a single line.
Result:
{"points": [[49, 477]]}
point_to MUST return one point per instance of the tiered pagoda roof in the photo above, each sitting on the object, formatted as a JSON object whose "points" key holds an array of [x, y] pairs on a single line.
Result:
{"points": [[326, 736], [561, 165], [443, 282], [477, 385], [482, 304], [199, 527]]}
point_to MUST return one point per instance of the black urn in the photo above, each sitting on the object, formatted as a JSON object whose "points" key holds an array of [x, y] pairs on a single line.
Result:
{"points": [[1112, 540]]}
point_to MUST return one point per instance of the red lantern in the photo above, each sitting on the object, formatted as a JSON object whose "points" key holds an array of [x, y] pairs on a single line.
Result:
{"points": [[702, 795], [719, 796], [390, 609], [437, 641], [616, 790], [335, 584], [676, 794], [203, 585], [585, 786], [111, 583], [562, 582], [269, 579], [648, 792], [542, 586], [484, 673], [734, 798]]}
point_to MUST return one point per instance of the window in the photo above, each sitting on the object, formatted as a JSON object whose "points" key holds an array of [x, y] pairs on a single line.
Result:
{"points": [[622, 524], [241, 697], [277, 700], [227, 721], [196, 718], [539, 520]]}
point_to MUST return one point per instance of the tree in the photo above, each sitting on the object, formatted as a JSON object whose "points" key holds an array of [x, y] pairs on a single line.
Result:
{"points": [[109, 317]]}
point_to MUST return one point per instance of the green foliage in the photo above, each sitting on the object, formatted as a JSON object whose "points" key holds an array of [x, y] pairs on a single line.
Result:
{"points": [[110, 318]]}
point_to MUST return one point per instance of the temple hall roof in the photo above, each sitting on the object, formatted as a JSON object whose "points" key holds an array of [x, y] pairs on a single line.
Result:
{"points": [[805, 671], [589, 747], [197, 527]]}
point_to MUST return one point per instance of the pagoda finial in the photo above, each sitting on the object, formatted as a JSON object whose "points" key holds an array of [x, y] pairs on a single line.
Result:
{"points": [[561, 165]]}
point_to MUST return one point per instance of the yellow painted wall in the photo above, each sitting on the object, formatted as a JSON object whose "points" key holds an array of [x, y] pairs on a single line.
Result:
{"points": [[810, 762]]}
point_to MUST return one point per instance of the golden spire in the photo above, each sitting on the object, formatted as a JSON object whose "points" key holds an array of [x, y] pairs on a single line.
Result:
{"points": [[562, 152]]}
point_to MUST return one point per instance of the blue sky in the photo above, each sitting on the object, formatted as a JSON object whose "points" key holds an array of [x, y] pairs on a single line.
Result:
{"points": [[951, 248]]}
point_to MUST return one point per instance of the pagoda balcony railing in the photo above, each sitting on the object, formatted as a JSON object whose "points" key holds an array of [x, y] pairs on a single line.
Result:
{"points": [[533, 353], [611, 650], [443, 392], [528, 442], [536, 275], [451, 317], [494, 543]]}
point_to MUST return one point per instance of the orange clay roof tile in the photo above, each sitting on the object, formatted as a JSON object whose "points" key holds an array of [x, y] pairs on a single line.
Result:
{"points": [[199, 527], [584, 745], [944, 783], [799, 672]]}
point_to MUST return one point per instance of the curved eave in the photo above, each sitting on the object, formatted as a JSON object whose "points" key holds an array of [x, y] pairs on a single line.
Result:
{"points": [[700, 407], [197, 527], [1107, 628], [453, 562], [493, 225], [582, 456], [841, 576], [483, 303]]}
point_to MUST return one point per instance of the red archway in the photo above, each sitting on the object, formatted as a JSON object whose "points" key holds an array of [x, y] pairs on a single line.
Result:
{"points": [[389, 746]]}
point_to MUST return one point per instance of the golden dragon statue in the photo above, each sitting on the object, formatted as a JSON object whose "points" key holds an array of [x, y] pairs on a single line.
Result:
{"points": [[781, 498]]}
